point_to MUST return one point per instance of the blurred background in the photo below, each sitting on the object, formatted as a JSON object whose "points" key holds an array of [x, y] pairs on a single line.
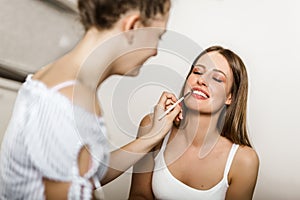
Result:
{"points": [[265, 33]]}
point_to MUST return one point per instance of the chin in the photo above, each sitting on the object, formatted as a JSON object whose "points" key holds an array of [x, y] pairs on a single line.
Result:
{"points": [[133, 73], [194, 107], [205, 110]]}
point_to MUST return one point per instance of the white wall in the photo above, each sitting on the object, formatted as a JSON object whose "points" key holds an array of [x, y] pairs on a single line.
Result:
{"points": [[266, 34], [34, 33]]}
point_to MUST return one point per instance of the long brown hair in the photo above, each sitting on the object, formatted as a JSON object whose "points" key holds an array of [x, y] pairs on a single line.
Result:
{"points": [[232, 121]]}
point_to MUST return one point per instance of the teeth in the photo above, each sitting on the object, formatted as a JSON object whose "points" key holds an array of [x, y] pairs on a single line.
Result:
{"points": [[200, 93]]}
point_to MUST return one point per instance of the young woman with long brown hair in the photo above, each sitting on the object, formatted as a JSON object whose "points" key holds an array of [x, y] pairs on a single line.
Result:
{"points": [[207, 153]]}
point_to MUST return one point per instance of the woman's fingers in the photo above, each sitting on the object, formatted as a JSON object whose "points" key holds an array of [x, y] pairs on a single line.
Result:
{"points": [[173, 113], [166, 101], [165, 97], [161, 126], [170, 103]]}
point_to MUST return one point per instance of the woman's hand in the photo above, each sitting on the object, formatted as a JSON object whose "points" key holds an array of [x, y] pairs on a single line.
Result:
{"points": [[179, 117], [160, 127]]}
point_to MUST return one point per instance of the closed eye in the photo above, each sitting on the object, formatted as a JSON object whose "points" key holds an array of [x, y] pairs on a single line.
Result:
{"points": [[218, 80], [198, 73], [198, 70]]}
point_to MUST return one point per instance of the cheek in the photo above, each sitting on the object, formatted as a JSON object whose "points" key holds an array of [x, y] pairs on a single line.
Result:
{"points": [[151, 39], [188, 85], [143, 54], [191, 80], [219, 94], [228, 90]]}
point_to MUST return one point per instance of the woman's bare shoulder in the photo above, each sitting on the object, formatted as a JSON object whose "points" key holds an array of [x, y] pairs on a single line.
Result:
{"points": [[246, 161], [247, 156]]}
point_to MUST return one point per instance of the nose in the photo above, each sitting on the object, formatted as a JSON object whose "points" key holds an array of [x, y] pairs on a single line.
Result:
{"points": [[202, 81]]}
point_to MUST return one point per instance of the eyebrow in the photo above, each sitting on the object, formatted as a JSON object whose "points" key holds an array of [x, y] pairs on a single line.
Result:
{"points": [[216, 70]]}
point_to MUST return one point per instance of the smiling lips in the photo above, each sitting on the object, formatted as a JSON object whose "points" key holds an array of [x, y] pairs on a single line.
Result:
{"points": [[200, 94]]}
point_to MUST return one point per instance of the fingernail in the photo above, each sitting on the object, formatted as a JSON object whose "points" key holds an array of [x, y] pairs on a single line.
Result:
{"points": [[180, 116]]}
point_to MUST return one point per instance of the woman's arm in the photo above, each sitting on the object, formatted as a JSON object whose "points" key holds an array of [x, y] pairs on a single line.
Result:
{"points": [[123, 158], [243, 174], [142, 170]]}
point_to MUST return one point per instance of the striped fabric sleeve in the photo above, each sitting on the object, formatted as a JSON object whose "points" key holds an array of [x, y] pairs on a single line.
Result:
{"points": [[51, 140]]}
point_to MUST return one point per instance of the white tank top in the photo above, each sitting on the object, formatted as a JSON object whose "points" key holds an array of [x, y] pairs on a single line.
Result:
{"points": [[165, 186]]}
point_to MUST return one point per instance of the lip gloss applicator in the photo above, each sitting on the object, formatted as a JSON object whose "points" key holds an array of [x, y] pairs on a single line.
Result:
{"points": [[175, 104]]}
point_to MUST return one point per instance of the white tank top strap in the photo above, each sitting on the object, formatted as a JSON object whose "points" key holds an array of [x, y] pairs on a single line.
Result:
{"points": [[165, 141], [230, 158], [64, 85]]}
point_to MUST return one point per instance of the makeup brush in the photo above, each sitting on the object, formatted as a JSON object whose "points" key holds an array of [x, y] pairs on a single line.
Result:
{"points": [[174, 105]]}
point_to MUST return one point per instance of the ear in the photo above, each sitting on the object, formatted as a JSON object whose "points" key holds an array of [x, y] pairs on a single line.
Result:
{"points": [[130, 23], [229, 99]]}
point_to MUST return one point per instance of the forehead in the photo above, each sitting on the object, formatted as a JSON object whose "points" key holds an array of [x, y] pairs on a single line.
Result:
{"points": [[214, 60]]}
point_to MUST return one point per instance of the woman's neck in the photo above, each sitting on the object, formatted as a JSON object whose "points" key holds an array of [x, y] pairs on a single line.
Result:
{"points": [[92, 57], [201, 129]]}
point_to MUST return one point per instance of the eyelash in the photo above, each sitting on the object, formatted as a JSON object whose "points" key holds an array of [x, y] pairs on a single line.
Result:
{"points": [[218, 80], [200, 73]]}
